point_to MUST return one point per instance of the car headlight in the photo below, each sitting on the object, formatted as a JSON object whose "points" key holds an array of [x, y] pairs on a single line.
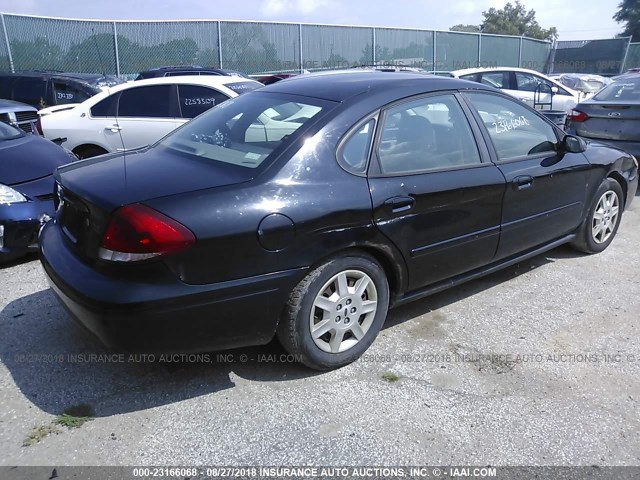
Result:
{"points": [[8, 195]]}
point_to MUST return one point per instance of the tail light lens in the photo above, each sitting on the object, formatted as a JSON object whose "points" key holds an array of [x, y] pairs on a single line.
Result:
{"points": [[137, 232], [39, 126], [577, 116]]}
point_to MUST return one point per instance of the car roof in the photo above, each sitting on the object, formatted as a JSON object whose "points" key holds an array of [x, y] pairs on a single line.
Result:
{"points": [[340, 85], [205, 80]]}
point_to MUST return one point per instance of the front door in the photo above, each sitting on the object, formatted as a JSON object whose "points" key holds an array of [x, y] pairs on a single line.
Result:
{"points": [[546, 187]]}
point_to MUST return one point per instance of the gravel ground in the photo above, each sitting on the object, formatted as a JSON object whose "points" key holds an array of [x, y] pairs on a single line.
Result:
{"points": [[463, 395]]}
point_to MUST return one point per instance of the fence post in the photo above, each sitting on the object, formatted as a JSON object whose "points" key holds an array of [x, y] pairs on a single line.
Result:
{"points": [[479, 49], [220, 43], [115, 48], [300, 47], [520, 53], [373, 44], [6, 40], [435, 52]]}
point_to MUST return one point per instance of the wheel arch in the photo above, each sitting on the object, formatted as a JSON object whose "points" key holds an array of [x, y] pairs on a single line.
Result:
{"points": [[617, 176], [85, 146]]}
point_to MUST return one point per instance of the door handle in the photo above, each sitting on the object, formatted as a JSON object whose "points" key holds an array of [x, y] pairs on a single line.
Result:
{"points": [[400, 204], [523, 182], [113, 128]]}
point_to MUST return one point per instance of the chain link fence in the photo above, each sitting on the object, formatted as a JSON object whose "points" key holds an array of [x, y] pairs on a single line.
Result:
{"points": [[604, 57], [125, 48]]}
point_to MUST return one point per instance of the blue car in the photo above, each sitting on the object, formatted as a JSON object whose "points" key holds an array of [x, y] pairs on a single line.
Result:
{"points": [[27, 163]]}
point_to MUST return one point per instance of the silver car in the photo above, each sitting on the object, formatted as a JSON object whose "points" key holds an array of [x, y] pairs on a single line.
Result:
{"points": [[611, 116], [19, 114]]}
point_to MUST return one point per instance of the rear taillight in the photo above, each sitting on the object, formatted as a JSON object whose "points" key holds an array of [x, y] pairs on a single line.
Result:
{"points": [[136, 232], [39, 126], [577, 116]]}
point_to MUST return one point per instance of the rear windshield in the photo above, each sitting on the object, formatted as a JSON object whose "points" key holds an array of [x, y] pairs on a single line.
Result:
{"points": [[244, 131], [624, 90], [243, 87]]}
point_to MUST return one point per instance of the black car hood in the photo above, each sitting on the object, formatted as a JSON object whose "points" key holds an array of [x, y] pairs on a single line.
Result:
{"points": [[110, 181], [28, 158]]}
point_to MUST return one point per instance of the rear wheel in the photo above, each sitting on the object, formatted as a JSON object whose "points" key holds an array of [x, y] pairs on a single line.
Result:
{"points": [[603, 218], [335, 312]]}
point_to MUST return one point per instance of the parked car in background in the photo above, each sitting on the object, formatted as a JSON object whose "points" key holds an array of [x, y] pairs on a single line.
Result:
{"points": [[269, 78], [587, 84], [27, 163], [612, 115], [172, 71], [21, 115], [49, 88], [137, 114], [523, 84], [388, 187]]}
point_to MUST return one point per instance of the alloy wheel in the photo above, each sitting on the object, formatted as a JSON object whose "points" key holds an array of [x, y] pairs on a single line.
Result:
{"points": [[605, 216]]}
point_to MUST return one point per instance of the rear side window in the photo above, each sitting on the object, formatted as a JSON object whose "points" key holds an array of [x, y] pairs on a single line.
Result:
{"points": [[64, 94], [354, 152], [496, 79], [195, 99], [30, 90], [147, 102], [106, 107], [516, 131]]}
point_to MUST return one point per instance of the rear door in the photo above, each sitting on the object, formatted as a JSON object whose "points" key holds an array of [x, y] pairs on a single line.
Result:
{"points": [[146, 114], [434, 194], [546, 188]]}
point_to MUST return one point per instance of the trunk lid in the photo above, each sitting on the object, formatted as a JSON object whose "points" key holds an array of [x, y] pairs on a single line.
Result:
{"points": [[610, 121], [90, 190]]}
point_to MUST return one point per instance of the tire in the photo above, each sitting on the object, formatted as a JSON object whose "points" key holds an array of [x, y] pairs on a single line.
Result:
{"points": [[602, 220], [89, 151], [332, 286]]}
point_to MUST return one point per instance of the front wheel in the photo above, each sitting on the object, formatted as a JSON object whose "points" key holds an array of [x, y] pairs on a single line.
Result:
{"points": [[603, 218], [335, 313]]}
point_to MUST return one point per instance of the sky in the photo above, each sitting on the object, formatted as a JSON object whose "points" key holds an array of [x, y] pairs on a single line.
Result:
{"points": [[574, 19]]}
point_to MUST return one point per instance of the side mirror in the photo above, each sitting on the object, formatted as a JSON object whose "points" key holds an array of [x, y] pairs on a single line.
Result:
{"points": [[573, 144]]}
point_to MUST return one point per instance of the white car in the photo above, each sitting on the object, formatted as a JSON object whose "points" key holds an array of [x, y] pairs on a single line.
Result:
{"points": [[136, 114], [533, 88]]}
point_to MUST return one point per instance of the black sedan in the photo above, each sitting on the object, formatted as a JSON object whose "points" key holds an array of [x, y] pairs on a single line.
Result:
{"points": [[27, 163], [307, 208], [612, 115]]}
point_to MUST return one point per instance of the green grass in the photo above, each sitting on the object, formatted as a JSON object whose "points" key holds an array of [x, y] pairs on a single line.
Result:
{"points": [[75, 417], [38, 434], [390, 377]]}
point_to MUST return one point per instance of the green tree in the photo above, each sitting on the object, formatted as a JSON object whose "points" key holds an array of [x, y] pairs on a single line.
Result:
{"points": [[39, 54], [629, 13], [515, 20], [465, 28]]}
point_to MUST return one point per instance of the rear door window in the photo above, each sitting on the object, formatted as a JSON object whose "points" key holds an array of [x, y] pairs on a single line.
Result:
{"points": [[30, 90], [156, 101], [64, 93], [195, 99]]}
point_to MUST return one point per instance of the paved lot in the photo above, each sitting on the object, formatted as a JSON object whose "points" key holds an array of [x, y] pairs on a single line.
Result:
{"points": [[459, 398]]}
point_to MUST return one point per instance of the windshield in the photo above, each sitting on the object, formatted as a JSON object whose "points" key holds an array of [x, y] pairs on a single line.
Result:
{"points": [[9, 132], [625, 90], [246, 130]]}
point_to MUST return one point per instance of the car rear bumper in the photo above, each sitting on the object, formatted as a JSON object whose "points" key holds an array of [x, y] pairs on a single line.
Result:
{"points": [[19, 226], [160, 313]]}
